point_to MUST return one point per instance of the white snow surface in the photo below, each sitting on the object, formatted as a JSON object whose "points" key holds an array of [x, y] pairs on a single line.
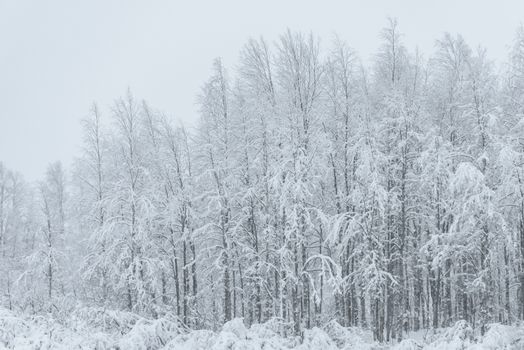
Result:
{"points": [[92, 328]]}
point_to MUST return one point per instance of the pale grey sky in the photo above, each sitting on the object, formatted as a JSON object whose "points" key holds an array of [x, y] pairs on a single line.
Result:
{"points": [[57, 57]]}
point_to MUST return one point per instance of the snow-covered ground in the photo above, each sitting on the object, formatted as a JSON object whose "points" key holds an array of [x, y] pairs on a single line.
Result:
{"points": [[99, 329]]}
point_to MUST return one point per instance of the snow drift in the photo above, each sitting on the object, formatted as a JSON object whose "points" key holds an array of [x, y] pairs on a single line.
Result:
{"points": [[99, 329]]}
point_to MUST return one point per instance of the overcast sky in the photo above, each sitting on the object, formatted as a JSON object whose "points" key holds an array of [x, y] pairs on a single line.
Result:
{"points": [[57, 57]]}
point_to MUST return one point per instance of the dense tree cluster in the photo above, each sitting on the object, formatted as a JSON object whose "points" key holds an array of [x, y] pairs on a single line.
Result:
{"points": [[388, 196]]}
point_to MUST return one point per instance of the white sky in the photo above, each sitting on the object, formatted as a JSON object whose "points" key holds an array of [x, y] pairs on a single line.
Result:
{"points": [[57, 57]]}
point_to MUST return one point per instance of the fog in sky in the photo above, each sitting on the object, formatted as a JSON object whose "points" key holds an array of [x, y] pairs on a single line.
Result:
{"points": [[57, 57]]}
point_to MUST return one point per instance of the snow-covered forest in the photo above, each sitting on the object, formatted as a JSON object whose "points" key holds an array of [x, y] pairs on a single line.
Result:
{"points": [[317, 188]]}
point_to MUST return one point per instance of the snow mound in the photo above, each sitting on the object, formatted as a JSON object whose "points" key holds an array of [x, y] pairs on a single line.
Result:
{"points": [[45, 333], [104, 320], [10, 327], [237, 327], [407, 344], [348, 337], [150, 335], [502, 337], [458, 337], [233, 336], [460, 331], [315, 338], [167, 333], [196, 340]]}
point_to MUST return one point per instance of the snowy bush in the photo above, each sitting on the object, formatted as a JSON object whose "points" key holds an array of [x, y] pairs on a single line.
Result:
{"points": [[407, 344], [149, 335], [347, 337], [502, 337], [43, 332], [106, 320], [197, 340], [10, 326]]}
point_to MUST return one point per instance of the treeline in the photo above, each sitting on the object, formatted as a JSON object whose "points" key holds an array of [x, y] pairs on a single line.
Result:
{"points": [[387, 196]]}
